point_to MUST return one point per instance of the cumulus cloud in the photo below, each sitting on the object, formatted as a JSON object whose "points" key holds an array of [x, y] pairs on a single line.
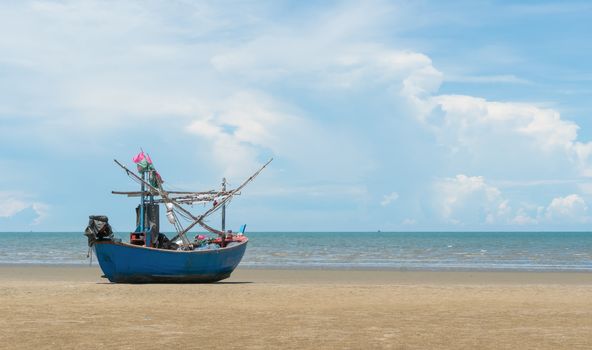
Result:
{"points": [[12, 203], [469, 200], [475, 126], [238, 128], [570, 209], [478, 126], [466, 115]]}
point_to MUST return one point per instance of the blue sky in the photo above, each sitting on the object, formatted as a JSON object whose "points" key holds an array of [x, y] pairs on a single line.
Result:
{"points": [[427, 115]]}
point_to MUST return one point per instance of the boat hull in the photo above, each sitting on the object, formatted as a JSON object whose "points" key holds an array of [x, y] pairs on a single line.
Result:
{"points": [[126, 263]]}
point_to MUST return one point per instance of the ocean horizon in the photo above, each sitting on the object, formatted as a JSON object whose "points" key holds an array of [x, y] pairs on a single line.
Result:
{"points": [[437, 251]]}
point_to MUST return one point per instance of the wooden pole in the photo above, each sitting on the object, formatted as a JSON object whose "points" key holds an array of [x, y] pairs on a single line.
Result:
{"points": [[142, 199], [224, 206]]}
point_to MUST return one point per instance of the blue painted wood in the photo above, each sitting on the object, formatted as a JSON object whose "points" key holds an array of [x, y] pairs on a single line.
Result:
{"points": [[127, 263]]}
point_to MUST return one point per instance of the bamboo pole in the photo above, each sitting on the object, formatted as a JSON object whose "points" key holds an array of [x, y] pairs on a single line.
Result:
{"points": [[224, 206]]}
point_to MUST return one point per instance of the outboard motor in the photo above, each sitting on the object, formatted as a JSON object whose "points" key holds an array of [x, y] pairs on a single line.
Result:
{"points": [[98, 229]]}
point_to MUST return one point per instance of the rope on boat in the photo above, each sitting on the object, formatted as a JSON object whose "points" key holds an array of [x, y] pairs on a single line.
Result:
{"points": [[195, 220], [89, 255]]}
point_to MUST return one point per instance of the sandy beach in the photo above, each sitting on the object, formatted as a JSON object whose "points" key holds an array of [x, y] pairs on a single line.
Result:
{"points": [[72, 308]]}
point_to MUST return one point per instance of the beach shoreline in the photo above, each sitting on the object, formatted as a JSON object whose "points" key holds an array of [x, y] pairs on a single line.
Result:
{"points": [[71, 307], [56, 272]]}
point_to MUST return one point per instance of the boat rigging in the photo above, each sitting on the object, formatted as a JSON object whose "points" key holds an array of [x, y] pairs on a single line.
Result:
{"points": [[150, 255]]}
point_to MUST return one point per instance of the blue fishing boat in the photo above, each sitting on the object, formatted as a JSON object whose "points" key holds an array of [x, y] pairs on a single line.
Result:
{"points": [[150, 256], [127, 263]]}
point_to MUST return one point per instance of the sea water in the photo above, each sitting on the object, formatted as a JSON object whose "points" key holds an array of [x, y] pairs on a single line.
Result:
{"points": [[527, 251]]}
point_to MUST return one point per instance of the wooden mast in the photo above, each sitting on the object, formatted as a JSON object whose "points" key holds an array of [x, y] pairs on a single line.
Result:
{"points": [[142, 200], [224, 206]]}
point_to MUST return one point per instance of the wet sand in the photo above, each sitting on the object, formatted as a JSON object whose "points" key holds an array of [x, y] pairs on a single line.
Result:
{"points": [[72, 308]]}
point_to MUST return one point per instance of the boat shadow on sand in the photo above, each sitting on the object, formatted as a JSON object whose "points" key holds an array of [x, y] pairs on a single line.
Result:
{"points": [[183, 283], [178, 282]]}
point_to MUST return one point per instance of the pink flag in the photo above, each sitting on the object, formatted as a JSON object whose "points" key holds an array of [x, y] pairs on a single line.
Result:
{"points": [[139, 157]]}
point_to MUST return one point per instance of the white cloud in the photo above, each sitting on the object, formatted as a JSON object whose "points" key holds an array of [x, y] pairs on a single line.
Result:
{"points": [[483, 128], [532, 134], [235, 132], [469, 200], [248, 124], [389, 198], [570, 209], [12, 203], [42, 211], [466, 115]]}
